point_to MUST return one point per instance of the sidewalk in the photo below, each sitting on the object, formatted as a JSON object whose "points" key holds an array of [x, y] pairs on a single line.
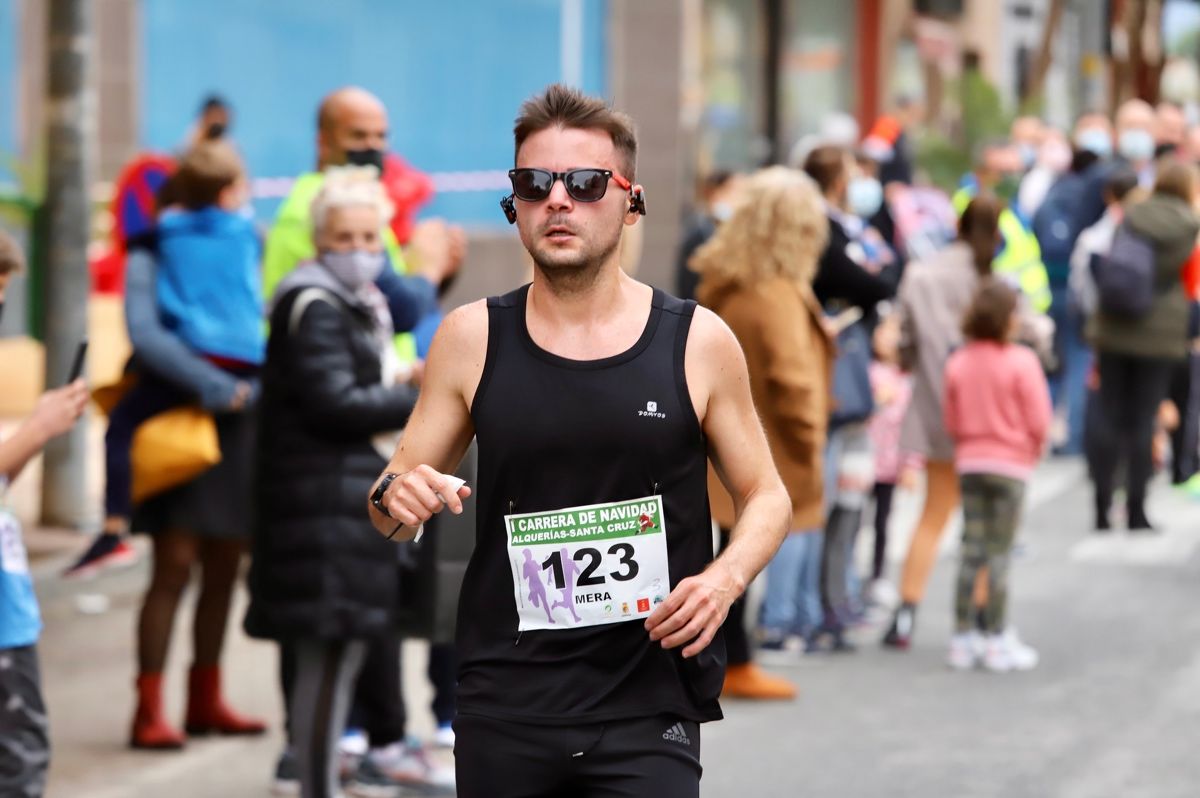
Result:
{"points": [[1097, 718], [88, 671], [88, 666]]}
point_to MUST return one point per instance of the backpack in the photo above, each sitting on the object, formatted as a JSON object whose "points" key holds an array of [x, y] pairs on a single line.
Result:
{"points": [[134, 201], [1125, 283], [1056, 223]]}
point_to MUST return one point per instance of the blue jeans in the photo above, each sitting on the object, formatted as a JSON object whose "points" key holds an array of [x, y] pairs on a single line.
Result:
{"points": [[793, 599], [1068, 385]]}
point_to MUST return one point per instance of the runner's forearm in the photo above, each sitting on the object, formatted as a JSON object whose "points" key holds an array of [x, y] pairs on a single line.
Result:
{"points": [[757, 534]]}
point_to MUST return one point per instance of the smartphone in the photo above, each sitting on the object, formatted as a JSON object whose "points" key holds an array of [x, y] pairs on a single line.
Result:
{"points": [[77, 364]]}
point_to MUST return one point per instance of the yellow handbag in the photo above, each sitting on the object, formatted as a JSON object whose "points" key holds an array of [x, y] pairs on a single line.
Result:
{"points": [[169, 449]]}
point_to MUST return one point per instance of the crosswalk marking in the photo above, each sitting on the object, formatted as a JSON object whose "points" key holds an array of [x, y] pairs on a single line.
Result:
{"points": [[1170, 547]]}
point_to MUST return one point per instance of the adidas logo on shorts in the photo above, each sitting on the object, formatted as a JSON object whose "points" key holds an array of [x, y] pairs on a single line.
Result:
{"points": [[676, 734]]}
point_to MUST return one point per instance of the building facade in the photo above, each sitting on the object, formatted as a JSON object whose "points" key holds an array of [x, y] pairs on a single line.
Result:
{"points": [[713, 84]]}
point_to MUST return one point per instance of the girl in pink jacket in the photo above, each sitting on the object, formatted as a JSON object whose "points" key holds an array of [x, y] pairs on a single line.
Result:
{"points": [[997, 411]]}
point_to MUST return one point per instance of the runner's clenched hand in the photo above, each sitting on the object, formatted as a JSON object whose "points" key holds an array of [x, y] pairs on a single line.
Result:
{"points": [[695, 610], [415, 496]]}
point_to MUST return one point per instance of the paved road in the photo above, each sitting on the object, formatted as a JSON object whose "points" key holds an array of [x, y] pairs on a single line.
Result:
{"points": [[1114, 710]]}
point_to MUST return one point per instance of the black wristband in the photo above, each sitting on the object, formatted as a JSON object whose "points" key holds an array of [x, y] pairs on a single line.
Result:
{"points": [[377, 494]]}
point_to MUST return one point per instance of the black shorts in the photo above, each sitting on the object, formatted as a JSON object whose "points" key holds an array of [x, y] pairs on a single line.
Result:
{"points": [[655, 757]]}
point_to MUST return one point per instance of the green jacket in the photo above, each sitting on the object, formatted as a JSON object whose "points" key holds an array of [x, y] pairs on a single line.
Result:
{"points": [[1170, 225], [1021, 256], [290, 243]]}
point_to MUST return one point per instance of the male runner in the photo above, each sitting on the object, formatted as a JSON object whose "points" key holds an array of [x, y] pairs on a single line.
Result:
{"points": [[596, 400]]}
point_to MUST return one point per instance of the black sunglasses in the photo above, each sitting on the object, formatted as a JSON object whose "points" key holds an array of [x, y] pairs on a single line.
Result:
{"points": [[582, 185]]}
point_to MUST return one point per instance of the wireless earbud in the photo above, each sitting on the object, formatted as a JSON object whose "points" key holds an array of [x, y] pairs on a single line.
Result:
{"points": [[637, 201], [509, 206], [637, 204]]}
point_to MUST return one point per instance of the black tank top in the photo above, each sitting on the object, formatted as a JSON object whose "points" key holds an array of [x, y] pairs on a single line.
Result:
{"points": [[556, 433]]}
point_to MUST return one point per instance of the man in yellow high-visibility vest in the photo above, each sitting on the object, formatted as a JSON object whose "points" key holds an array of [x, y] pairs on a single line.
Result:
{"points": [[352, 128], [1020, 257]]}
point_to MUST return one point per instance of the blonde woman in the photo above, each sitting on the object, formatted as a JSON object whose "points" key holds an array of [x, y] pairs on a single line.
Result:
{"points": [[756, 274]]}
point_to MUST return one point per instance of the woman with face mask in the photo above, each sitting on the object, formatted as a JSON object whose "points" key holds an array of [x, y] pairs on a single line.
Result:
{"points": [[322, 582], [865, 200], [850, 282]]}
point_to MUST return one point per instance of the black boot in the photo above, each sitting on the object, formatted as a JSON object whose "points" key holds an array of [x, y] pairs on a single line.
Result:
{"points": [[899, 634], [840, 644], [1103, 503], [1138, 522]]}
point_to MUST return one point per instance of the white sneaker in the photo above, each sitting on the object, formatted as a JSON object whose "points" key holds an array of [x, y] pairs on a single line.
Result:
{"points": [[444, 736], [978, 645], [410, 764], [1006, 652], [353, 743], [963, 654], [883, 594]]}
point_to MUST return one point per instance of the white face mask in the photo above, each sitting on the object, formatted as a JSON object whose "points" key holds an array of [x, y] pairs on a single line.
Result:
{"points": [[1094, 141], [864, 196], [1029, 154], [356, 268], [1136, 145]]}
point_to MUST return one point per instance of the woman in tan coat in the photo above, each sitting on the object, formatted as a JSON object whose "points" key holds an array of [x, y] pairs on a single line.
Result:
{"points": [[756, 274]]}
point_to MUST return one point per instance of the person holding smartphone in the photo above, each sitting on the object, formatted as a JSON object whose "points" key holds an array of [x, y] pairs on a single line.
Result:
{"points": [[24, 734]]}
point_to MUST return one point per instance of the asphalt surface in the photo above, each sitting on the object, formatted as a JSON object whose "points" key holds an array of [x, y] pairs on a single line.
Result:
{"points": [[1113, 710]]}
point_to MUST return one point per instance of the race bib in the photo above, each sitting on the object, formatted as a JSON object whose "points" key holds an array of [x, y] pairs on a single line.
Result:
{"points": [[587, 566], [12, 548]]}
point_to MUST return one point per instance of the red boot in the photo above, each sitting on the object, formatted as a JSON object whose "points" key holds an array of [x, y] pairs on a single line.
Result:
{"points": [[150, 728], [207, 712]]}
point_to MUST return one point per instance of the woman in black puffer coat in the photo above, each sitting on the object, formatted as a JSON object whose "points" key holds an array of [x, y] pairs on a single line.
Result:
{"points": [[322, 581]]}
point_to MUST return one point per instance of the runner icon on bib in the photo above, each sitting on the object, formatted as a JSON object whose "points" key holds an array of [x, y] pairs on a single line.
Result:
{"points": [[587, 566]]}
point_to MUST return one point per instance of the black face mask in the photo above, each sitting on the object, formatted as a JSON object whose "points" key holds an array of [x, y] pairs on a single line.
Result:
{"points": [[1164, 149], [214, 131], [1081, 159], [366, 157]]}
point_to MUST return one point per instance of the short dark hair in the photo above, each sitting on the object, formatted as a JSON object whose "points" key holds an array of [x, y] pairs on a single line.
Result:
{"points": [[984, 148], [567, 107], [1120, 183], [715, 179], [990, 314], [204, 172], [12, 259], [826, 165], [213, 102]]}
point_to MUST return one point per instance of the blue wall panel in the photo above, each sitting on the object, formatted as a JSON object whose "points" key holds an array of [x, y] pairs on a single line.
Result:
{"points": [[9, 72], [451, 73]]}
